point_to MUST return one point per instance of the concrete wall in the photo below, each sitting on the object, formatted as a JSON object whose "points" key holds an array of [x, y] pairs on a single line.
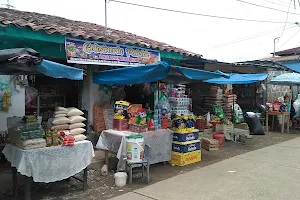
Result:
{"points": [[92, 95], [275, 91]]}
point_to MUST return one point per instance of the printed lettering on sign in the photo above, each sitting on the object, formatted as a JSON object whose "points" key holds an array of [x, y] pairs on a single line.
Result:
{"points": [[192, 147], [101, 53]]}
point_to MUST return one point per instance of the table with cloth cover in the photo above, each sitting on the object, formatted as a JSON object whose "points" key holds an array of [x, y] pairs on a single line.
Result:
{"points": [[49, 164], [115, 142]]}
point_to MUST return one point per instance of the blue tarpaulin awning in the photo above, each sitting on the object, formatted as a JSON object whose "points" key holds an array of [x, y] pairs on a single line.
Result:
{"points": [[152, 73], [293, 66], [239, 79], [57, 70], [286, 79]]}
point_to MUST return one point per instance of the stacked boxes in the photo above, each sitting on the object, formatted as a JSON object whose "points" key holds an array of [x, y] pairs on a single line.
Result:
{"points": [[98, 118], [186, 148], [182, 159], [210, 144]]}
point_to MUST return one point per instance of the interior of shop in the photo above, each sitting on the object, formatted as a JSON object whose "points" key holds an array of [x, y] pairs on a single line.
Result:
{"points": [[51, 94]]}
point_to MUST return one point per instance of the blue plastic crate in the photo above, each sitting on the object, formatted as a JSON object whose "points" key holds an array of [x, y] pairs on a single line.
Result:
{"points": [[186, 147], [184, 137]]}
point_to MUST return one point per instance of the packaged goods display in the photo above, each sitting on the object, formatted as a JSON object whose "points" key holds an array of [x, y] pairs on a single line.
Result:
{"points": [[65, 129], [27, 133]]}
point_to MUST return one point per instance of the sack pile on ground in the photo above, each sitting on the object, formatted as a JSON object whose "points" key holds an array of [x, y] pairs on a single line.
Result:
{"points": [[70, 119], [215, 97], [229, 101]]}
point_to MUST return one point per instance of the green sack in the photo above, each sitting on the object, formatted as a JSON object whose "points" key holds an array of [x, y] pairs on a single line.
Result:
{"points": [[218, 110]]}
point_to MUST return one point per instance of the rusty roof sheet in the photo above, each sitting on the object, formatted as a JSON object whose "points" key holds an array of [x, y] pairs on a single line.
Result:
{"points": [[283, 58], [288, 52], [53, 24]]}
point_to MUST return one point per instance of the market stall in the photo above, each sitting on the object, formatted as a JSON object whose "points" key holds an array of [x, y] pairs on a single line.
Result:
{"points": [[228, 107], [282, 109], [44, 155], [170, 100]]}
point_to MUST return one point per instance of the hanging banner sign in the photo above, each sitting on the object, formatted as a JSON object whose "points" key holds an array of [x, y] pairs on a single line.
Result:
{"points": [[100, 53]]}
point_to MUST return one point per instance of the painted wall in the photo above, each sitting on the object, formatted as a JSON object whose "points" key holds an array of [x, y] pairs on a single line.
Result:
{"points": [[92, 95], [17, 108]]}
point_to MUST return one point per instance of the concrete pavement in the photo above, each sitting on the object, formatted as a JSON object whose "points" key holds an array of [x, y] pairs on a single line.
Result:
{"points": [[271, 173]]}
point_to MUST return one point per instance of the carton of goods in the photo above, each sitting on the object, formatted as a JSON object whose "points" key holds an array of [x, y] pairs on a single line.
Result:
{"points": [[210, 144], [186, 136], [185, 147], [182, 159]]}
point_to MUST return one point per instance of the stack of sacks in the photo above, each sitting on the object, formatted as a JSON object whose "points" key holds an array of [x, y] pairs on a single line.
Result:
{"points": [[66, 138], [215, 97], [76, 126], [27, 135], [60, 121], [32, 144], [70, 119]]}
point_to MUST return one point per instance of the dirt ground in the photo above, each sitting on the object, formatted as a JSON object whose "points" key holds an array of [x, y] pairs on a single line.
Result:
{"points": [[102, 187]]}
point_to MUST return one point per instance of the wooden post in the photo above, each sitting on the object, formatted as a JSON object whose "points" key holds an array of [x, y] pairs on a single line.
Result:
{"points": [[15, 181], [28, 182]]}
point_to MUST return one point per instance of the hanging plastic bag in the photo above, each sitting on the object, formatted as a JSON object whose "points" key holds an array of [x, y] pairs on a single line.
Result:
{"points": [[30, 94], [6, 101]]}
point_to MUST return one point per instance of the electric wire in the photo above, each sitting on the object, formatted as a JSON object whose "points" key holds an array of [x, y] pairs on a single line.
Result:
{"points": [[287, 17], [276, 3], [289, 39], [253, 4], [199, 14], [249, 37]]}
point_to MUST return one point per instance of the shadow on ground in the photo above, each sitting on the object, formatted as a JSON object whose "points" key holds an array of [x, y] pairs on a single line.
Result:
{"points": [[102, 187]]}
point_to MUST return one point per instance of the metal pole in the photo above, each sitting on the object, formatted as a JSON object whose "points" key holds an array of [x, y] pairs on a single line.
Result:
{"points": [[274, 50], [105, 7]]}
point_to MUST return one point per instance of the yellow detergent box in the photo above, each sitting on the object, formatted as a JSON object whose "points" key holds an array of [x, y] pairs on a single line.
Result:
{"points": [[182, 159]]}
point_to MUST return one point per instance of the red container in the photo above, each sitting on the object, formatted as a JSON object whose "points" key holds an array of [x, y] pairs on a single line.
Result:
{"points": [[120, 124], [220, 137], [201, 124], [164, 123]]}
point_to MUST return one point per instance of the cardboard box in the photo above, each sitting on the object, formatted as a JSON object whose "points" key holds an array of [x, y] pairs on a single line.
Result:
{"points": [[210, 147], [185, 147], [184, 137], [182, 159]]}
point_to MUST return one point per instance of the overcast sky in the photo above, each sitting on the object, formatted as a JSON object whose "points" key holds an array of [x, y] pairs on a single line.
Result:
{"points": [[198, 34]]}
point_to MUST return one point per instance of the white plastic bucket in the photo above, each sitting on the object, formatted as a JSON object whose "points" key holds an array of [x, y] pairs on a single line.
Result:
{"points": [[135, 148], [120, 179]]}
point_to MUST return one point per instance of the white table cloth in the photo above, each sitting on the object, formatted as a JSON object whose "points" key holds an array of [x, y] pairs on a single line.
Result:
{"points": [[159, 140], [50, 164]]}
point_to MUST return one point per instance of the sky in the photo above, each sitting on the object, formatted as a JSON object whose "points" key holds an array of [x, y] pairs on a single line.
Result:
{"points": [[221, 39]]}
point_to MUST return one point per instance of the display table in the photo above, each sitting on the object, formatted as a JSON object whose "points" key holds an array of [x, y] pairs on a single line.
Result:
{"points": [[283, 114], [49, 164], [115, 142]]}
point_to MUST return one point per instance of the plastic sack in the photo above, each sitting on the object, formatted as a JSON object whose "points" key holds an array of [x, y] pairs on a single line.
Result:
{"points": [[30, 94], [238, 114], [254, 124], [164, 106], [296, 104], [218, 110]]}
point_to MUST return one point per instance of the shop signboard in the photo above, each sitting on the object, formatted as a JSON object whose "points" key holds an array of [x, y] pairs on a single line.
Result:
{"points": [[100, 53]]}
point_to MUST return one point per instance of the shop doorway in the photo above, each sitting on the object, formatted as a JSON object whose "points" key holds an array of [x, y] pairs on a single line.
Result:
{"points": [[52, 93]]}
